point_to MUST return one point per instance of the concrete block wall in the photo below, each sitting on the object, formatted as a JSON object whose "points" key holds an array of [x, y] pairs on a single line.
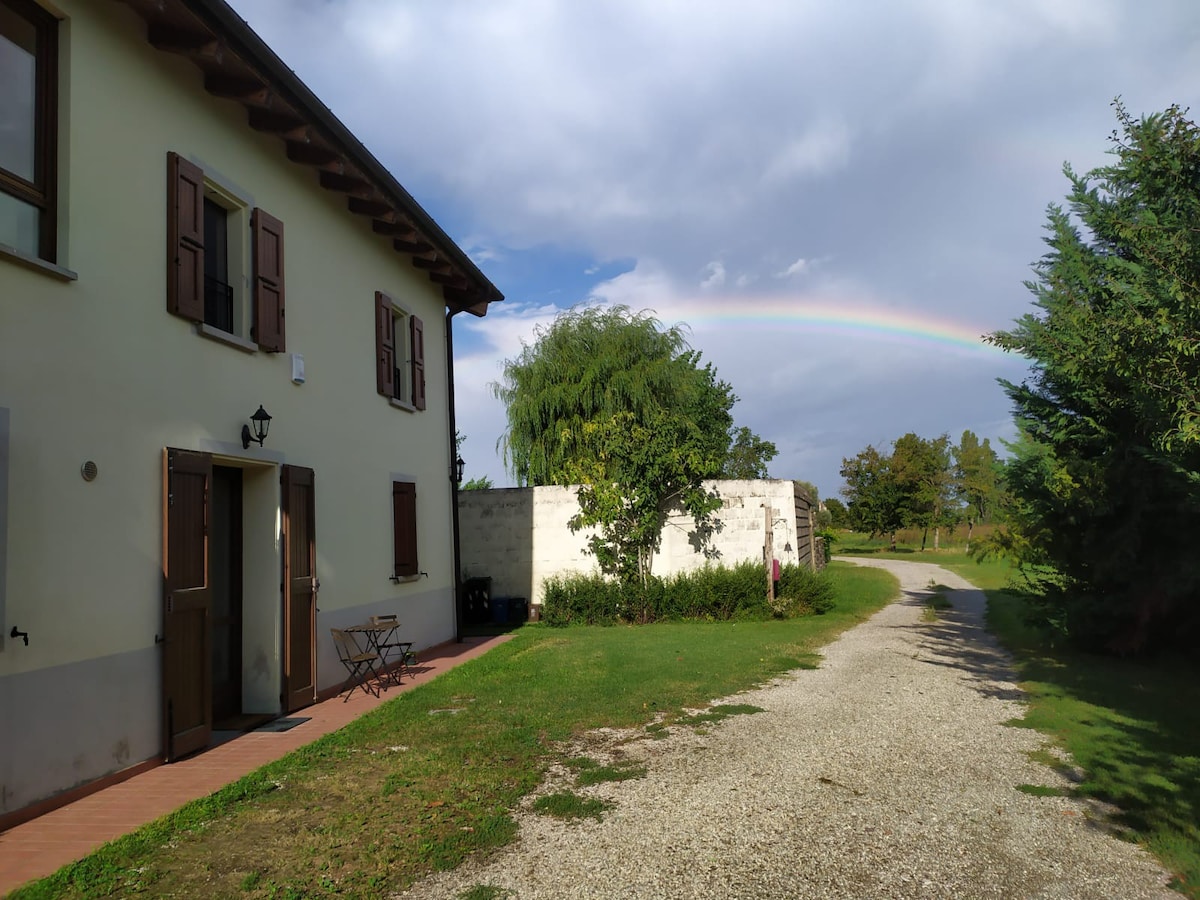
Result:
{"points": [[519, 537]]}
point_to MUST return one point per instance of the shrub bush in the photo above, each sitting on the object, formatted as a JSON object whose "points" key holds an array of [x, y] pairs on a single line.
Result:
{"points": [[581, 600], [714, 593], [812, 590]]}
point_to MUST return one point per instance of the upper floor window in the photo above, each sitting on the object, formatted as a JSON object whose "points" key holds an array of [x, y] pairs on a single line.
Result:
{"points": [[218, 292], [206, 259], [399, 353], [28, 128]]}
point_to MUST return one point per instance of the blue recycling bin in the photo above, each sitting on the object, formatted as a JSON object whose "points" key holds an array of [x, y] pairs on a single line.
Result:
{"points": [[500, 610]]}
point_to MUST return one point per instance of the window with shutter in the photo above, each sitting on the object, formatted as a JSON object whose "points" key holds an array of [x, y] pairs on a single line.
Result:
{"points": [[417, 345], [268, 281], [404, 529], [385, 345], [216, 246], [28, 129], [399, 354], [185, 238]]}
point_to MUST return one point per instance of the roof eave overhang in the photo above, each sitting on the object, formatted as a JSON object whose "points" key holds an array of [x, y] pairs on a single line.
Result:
{"points": [[238, 65]]}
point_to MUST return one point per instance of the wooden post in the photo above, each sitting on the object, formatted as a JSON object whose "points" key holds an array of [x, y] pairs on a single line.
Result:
{"points": [[769, 551], [812, 539]]}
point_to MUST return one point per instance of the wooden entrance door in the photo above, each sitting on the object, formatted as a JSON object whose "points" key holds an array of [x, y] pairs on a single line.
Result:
{"points": [[299, 587], [187, 679]]}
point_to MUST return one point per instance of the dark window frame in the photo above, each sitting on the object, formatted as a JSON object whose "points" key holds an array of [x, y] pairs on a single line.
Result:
{"points": [[42, 192], [218, 293], [399, 354]]}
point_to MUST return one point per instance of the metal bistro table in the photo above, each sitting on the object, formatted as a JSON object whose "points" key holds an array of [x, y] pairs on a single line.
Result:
{"points": [[379, 636]]}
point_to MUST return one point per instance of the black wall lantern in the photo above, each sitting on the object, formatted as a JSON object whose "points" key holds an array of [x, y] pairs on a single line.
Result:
{"points": [[262, 421], [459, 465]]}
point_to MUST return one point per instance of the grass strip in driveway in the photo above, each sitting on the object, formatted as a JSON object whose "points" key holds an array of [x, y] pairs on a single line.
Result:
{"points": [[431, 776]]}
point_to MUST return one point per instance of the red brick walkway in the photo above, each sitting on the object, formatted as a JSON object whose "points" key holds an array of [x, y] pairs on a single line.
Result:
{"points": [[45, 844]]}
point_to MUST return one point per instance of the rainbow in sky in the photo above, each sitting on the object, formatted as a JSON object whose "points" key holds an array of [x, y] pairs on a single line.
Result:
{"points": [[843, 318]]}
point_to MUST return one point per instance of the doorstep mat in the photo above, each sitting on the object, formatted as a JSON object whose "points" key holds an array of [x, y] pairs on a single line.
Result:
{"points": [[284, 724]]}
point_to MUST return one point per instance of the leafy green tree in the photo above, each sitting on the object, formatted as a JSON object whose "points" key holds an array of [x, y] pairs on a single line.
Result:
{"points": [[1106, 477], [610, 400], [636, 471], [748, 455], [921, 469], [977, 480], [839, 516], [873, 496]]}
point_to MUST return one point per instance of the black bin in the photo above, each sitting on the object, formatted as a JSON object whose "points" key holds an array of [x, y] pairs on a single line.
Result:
{"points": [[518, 609], [477, 601]]}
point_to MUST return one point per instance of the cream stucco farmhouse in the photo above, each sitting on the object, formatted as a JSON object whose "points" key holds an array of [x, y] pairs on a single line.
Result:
{"points": [[191, 242]]}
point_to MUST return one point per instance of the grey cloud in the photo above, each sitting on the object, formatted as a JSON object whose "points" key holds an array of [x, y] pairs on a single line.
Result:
{"points": [[911, 147]]}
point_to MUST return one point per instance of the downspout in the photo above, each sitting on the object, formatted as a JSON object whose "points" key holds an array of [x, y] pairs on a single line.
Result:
{"points": [[452, 468]]}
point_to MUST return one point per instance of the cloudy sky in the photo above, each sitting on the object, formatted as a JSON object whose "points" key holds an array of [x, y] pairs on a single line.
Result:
{"points": [[837, 198]]}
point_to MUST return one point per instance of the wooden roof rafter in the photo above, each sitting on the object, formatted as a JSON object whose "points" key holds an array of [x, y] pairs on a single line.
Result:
{"points": [[310, 153], [247, 90]]}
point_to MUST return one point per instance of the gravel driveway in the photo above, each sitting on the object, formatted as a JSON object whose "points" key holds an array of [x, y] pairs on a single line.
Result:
{"points": [[887, 772]]}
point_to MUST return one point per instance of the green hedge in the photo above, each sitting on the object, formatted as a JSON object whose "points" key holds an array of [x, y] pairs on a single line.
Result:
{"points": [[714, 593]]}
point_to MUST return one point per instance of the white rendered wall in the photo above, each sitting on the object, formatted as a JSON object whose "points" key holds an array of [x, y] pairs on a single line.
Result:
{"points": [[519, 536]]}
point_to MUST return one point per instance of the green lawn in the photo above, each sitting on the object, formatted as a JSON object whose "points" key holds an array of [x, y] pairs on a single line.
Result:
{"points": [[1132, 726], [431, 776]]}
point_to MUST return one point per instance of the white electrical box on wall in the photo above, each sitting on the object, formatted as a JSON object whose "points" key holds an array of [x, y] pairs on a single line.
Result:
{"points": [[297, 369]]}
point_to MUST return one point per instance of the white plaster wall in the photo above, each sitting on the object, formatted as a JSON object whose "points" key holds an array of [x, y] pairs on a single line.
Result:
{"points": [[96, 369], [520, 537]]}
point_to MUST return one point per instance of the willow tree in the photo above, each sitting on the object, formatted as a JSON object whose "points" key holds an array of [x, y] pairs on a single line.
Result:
{"points": [[586, 365], [611, 400]]}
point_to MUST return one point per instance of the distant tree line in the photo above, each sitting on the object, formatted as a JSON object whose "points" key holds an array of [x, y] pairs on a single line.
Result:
{"points": [[923, 483]]}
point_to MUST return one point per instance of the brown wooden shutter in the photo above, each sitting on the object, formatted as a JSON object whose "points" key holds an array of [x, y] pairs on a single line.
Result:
{"points": [[385, 346], [185, 238], [417, 333], [300, 584], [268, 281], [404, 528], [187, 602]]}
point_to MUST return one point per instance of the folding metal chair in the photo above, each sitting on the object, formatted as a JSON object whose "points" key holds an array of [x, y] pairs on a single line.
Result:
{"points": [[359, 663], [391, 647]]}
